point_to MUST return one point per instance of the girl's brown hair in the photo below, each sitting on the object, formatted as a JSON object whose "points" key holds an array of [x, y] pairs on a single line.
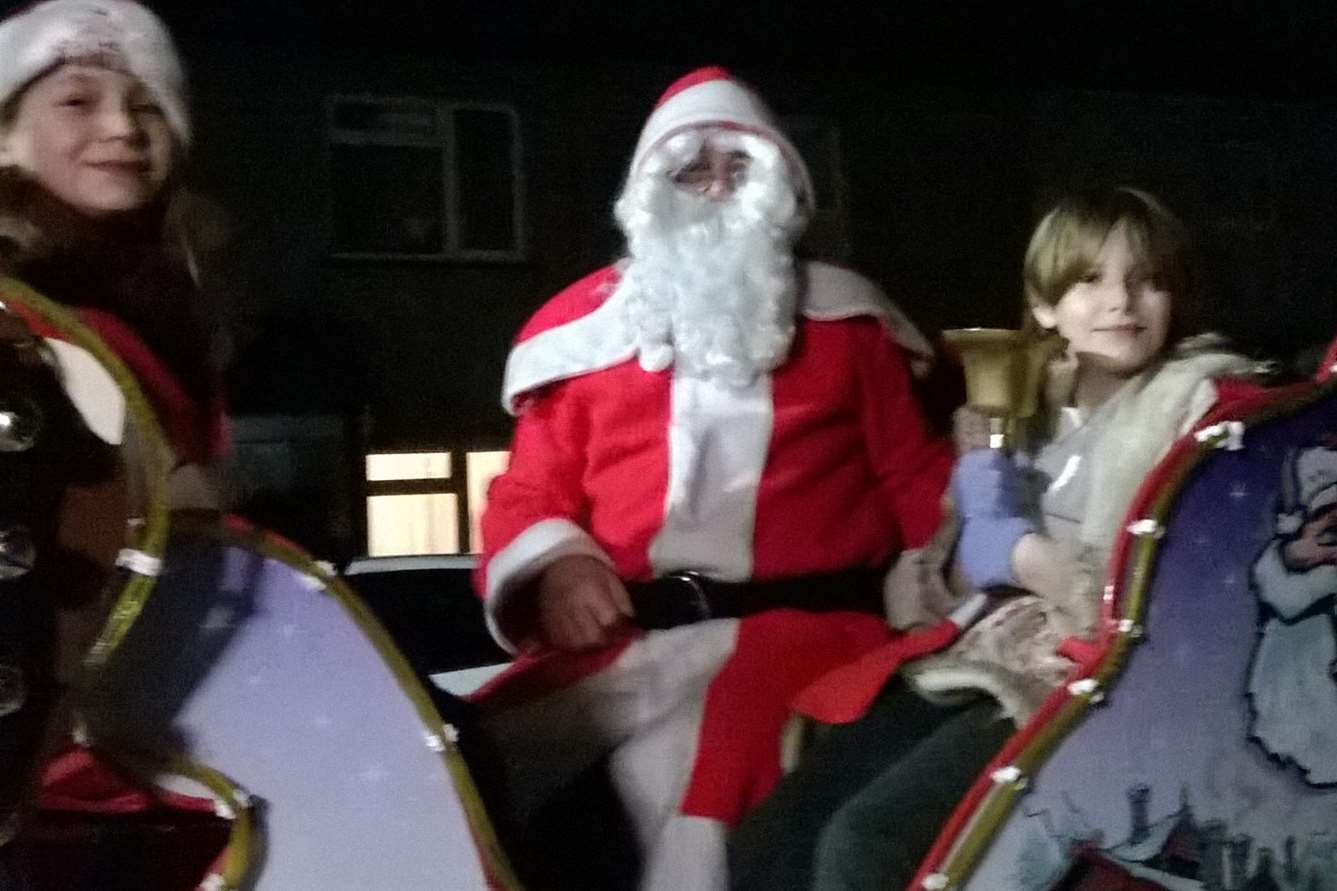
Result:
{"points": [[1068, 239]]}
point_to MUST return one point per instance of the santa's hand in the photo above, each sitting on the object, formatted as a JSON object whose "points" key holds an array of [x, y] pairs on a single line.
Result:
{"points": [[582, 604], [987, 491]]}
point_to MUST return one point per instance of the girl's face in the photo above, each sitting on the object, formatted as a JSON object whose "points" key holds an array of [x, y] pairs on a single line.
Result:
{"points": [[94, 137], [1115, 318]]}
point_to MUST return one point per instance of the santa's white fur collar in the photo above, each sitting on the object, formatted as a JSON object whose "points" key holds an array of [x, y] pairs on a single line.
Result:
{"points": [[602, 338]]}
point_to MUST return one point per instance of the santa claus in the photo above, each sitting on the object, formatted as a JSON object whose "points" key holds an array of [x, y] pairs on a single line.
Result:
{"points": [[1293, 676], [716, 456]]}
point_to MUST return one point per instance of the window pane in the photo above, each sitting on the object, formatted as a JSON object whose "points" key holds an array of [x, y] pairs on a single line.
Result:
{"points": [[399, 525], [486, 176], [481, 467], [388, 199], [409, 466]]}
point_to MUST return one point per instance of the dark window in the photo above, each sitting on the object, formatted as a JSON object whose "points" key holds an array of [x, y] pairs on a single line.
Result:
{"points": [[425, 180]]}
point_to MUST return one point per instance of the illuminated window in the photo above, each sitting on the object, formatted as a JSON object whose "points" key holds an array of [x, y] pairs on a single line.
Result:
{"points": [[481, 467], [412, 524], [417, 504], [409, 466]]}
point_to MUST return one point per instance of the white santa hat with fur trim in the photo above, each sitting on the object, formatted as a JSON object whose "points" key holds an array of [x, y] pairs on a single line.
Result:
{"points": [[712, 97], [112, 33]]}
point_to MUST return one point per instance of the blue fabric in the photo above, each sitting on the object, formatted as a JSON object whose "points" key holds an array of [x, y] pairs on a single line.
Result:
{"points": [[986, 486]]}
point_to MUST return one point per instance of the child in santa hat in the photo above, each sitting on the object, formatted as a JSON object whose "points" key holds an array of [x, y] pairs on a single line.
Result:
{"points": [[1108, 272], [93, 130]]}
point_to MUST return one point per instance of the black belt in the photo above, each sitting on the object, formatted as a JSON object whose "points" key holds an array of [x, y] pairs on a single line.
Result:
{"points": [[681, 598]]}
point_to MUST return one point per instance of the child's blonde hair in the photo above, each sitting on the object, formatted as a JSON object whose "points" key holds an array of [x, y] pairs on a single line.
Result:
{"points": [[1068, 239]]}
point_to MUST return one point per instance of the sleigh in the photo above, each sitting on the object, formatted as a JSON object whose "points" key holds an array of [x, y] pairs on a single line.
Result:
{"points": [[255, 707], [241, 718], [1195, 745], [1157, 766]]}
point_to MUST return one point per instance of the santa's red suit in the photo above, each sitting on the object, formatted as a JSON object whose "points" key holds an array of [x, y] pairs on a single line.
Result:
{"points": [[821, 465]]}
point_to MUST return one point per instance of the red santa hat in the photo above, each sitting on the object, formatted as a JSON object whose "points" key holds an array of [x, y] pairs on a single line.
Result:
{"points": [[712, 97], [112, 33]]}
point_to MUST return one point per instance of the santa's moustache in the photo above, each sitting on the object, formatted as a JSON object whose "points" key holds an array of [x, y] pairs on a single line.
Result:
{"points": [[710, 285]]}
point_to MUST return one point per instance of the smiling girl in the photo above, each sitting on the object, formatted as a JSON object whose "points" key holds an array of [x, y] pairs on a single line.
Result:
{"points": [[93, 130]]}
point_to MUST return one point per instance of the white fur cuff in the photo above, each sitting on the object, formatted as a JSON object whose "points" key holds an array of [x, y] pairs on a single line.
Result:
{"points": [[521, 561]]}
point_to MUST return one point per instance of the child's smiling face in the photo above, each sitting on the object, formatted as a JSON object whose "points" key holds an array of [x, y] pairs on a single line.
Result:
{"points": [[93, 136], [1116, 317]]}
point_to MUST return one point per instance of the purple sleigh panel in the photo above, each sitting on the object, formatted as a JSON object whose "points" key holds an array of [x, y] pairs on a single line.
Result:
{"points": [[251, 667], [1211, 762]]}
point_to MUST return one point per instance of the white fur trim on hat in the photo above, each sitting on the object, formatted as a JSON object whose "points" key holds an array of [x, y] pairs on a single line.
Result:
{"points": [[122, 32], [711, 97]]}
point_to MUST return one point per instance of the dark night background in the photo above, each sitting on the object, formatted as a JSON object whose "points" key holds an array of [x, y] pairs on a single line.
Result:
{"points": [[957, 123]]}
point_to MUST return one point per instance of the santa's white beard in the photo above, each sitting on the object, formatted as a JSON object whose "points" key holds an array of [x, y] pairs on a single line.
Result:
{"points": [[710, 286]]}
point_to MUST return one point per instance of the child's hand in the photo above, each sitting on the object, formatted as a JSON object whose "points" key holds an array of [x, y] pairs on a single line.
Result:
{"points": [[987, 489]]}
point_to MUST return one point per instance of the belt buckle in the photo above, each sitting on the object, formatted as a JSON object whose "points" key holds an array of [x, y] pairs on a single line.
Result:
{"points": [[696, 592]]}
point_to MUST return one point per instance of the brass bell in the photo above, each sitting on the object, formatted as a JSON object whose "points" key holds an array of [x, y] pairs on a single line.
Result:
{"points": [[18, 554], [20, 422], [1004, 369]]}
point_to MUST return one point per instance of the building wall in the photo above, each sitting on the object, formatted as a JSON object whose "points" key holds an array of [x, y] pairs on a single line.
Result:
{"points": [[942, 189]]}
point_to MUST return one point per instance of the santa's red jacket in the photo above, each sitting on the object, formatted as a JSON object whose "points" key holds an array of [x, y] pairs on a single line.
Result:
{"points": [[822, 465]]}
